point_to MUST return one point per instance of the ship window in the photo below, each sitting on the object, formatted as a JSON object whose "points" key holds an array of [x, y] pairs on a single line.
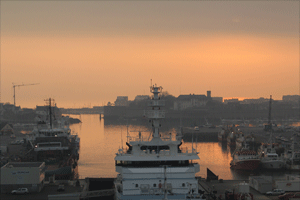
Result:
{"points": [[183, 184], [136, 185], [154, 185]]}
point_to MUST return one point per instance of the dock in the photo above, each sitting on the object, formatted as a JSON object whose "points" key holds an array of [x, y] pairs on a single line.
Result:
{"points": [[204, 134], [79, 191]]}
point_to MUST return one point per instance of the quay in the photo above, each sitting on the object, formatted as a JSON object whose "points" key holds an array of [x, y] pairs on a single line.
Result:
{"points": [[203, 134], [80, 190], [220, 186]]}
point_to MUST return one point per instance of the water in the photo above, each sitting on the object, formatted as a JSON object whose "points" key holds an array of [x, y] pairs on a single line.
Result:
{"points": [[99, 143]]}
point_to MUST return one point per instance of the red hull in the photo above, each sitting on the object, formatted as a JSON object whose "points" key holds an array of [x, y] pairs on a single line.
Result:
{"points": [[245, 164]]}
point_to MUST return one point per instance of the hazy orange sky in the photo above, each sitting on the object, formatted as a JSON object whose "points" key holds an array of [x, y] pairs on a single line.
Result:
{"points": [[86, 53]]}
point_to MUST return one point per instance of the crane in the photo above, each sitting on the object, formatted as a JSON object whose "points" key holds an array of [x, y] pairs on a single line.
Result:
{"points": [[14, 86]]}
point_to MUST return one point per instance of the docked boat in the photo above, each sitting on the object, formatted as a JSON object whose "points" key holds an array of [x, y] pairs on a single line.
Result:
{"points": [[54, 144], [233, 134], [269, 157], [245, 159], [158, 167], [292, 159], [222, 135], [231, 139], [239, 141]]}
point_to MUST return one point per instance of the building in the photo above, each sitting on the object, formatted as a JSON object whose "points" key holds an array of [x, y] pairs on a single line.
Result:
{"points": [[30, 175], [291, 183], [255, 101], [141, 97], [291, 98], [218, 99], [188, 101], [121, 101], [6, 129], [226, 101], [262, 184]]}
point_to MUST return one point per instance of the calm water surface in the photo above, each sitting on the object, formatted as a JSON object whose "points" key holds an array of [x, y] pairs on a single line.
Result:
{"points": [[99, 144]]}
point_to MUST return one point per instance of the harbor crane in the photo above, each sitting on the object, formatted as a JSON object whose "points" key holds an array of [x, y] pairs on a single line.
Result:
{"points": [[14, 86]]}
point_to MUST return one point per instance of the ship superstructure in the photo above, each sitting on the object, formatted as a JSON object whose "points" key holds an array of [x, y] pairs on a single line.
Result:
{"points": [[54, 144], [157, 168]]}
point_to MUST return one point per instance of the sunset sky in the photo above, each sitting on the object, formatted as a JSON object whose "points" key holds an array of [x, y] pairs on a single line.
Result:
{"points": [[86, 53]]}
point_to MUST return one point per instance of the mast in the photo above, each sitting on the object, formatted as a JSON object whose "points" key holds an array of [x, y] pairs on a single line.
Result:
{"points": [[156, 113], [49, 101]]}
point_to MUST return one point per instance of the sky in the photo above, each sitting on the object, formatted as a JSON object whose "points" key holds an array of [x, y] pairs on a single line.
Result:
{"points": [[86, 53]]}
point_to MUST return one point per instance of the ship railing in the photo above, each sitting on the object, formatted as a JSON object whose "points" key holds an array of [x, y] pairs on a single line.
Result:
{"points": [[137, 139], [185, 150], [123, 151]]}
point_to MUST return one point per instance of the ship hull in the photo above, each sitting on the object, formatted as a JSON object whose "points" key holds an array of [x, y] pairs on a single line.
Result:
{"points": [[293, 167], [276, 164], [249, 165]]}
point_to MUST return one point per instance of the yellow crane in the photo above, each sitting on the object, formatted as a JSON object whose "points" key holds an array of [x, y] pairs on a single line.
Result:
{"points": [[14, 86]]}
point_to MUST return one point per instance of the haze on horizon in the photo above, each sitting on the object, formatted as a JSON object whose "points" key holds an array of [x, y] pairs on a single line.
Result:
{"points": [[86, 53]]}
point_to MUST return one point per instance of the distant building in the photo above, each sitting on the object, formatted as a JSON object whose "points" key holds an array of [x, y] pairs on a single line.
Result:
{"points": [[218, 99], [6, 129], [291, 98], [121, 101], [141, 97], [226, 101], [255, 101], [208, 94], [11, 107], [188, 101]]}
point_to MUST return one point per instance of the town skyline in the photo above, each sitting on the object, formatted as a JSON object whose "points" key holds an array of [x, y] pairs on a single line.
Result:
{"points": [[88, 53]]}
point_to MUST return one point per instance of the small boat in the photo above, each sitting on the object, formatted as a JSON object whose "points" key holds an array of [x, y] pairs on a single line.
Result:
{"points": [[245, 159]]}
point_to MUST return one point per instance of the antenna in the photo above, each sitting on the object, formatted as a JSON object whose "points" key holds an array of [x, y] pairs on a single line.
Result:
{"points": [[121, 138], [14, 86]]}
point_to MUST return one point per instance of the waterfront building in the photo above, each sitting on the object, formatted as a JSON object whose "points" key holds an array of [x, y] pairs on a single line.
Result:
{"points": [[188, 101], [30, 175], [291, 98], [121, 101], [141, 97]]}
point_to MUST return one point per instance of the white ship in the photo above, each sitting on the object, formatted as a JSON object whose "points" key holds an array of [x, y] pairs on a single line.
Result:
{"points": [[157, 168], [269, 157], [292, 158]]}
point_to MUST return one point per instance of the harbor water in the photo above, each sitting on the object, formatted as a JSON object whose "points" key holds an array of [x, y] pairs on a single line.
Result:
{"points": [[99, 144]]}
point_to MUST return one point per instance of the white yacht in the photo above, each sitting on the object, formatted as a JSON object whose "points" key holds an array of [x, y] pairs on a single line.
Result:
{"points": [[157, 168]]}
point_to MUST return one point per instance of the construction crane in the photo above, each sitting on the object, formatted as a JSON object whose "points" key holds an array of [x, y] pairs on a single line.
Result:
{"points": [[14, 86]]}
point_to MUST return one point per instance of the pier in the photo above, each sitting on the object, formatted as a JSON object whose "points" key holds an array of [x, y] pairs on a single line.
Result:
{"points": [[203, 134], [80, 191]]}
